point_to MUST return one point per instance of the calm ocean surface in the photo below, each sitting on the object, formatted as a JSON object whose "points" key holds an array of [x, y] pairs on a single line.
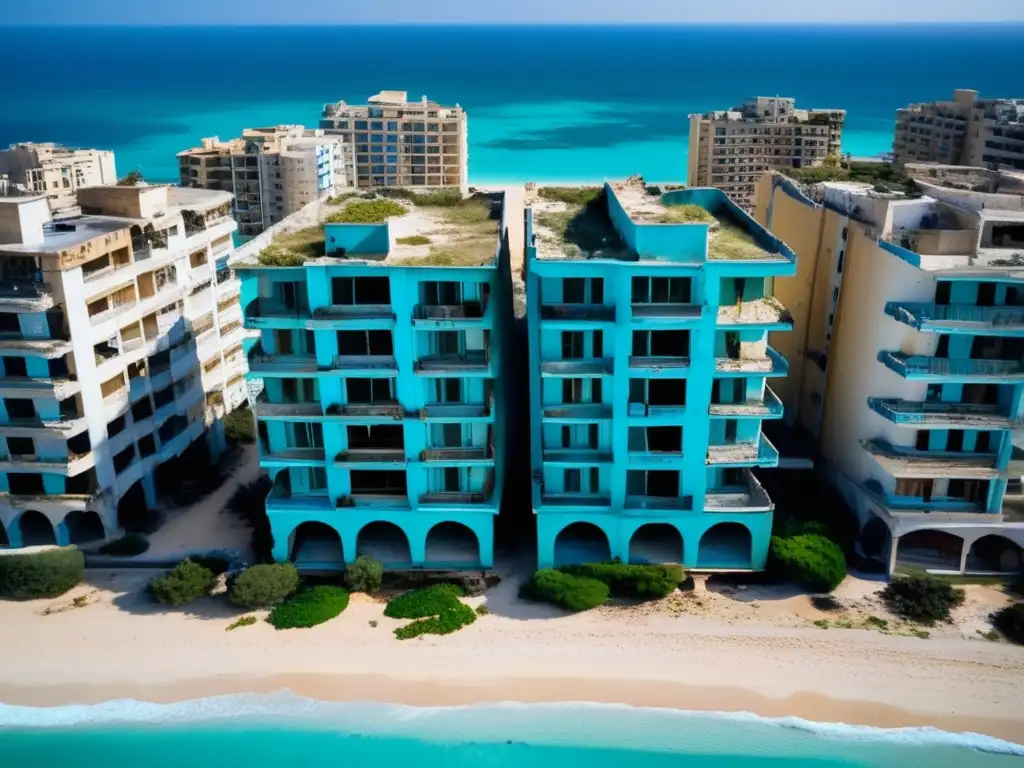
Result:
{"points": [[555, 103], [283, 730]]}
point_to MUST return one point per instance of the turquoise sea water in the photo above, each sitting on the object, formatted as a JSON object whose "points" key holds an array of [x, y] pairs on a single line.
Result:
{"points": [[551, 103], [284, 730]]}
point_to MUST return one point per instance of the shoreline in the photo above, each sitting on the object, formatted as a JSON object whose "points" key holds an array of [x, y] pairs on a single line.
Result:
{"points": [[455, 692]]}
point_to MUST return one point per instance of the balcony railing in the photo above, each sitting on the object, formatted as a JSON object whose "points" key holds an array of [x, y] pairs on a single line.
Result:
{"points": [[971, 415], [923, 366], [371, 456], [768, 407], [259, 310], [666, 311], [354, 311], [466, 361], [659, 502], [758, 452], [30, 294], [595, 312], [453, 497], [902, 461], [659, 362], [580, 411], [389, 408], [597, 366], [748, 497], [470, 310], [456, 410], [472, 453], [950, 318]]}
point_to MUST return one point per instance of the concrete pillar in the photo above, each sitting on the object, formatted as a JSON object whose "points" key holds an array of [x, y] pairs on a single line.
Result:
{"points": [[62, 534], [485, 539], [964, 551], [417, 544], [280, 532], [14, 535], [894, 544], [546, 533], [149, 490]]}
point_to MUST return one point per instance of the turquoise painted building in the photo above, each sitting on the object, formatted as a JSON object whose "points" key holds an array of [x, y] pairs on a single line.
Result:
{"points": [[379, 376], [647, 316]]}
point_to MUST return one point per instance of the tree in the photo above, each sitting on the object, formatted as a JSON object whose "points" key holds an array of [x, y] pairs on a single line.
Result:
{"points": [[131, 179]]}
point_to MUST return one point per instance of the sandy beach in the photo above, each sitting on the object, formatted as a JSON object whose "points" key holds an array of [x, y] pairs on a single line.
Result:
{"points": [[725, 649]]}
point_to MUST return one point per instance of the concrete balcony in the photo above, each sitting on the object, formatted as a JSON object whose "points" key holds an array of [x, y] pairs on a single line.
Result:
{"points": [[577, 457], [646, 415], [450, 316], [576, 315], [659, 365], [474, 363], [388, 410], [939, 415], [570, 413], [641, 504], [772, 364], [576, 501], [454, 499], [959, 318], [458, 412], [966, 370], [460, 456], [938, 510], [266, 313], [293, 457], [667, 314], [25, 296], [655, 459], [748, 497], [365, 365], [902, 461], [366, 316], [756, 453], [371, 458], [50, 349], [586, 368], [768, 407], [69, 466], [767, 313], [58, 388], [60, 428]]}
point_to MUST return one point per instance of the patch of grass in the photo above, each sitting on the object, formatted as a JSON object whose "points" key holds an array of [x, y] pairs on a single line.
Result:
{"points": [[293, 249], [483, 610], [685, 214], [571, 195], [992, 635], [582, 231], [309, 607], [469, 212], [924, 634], [80, 602], [921, 598], [876, 622], [455, 255], [437, 610], [413, 240], [373, 623], [128, 545], [730, 242], [436, 199], [367, 212], [240, 427], [955, 579], [822, 623], [242, 621], [448, 621], [339, 199], [872, 173]]}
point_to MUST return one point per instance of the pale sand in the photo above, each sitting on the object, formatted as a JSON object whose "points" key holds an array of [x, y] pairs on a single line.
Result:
{"points": [[744, 650]]}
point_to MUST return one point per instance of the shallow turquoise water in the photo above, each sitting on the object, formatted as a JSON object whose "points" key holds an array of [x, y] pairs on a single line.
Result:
{"points": [[284, 730]]}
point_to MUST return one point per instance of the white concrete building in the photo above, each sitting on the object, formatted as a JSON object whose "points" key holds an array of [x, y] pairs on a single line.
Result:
{"points": [[57, 172], [418, 145], [120, 345]]}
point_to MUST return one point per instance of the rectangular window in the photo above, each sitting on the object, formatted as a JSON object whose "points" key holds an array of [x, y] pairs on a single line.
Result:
{"points": [[365, 343], [360, 290], [376, 482], [572, 481], [368, 391], [572, 345]]}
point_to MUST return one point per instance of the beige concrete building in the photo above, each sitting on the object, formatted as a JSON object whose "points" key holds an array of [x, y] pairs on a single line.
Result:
{"points": [[905, 356], [402, 143], [730, 149], [55, 171], [984, 133], [272, 172]]}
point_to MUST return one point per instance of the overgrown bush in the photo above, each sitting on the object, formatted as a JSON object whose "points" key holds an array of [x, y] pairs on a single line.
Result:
{"points": [[413, 240], [273, 256], [922, 598], [249, 504], [261, 586], [216, 564], [811, 560], [185, 582], [570, 195], [240, 427], [574, 593], [364, 575], [1010, 621], [309, 607], [643, 581], [437, 609], [367, 212], [35, 575], [127, 546], [441, 198]]}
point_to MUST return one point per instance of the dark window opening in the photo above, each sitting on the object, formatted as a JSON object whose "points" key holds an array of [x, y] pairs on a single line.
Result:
{"points": [[15, 366], [360, 290], [942, 292], [382, 483], [377, 436], [27, 484], [942, 350], [21, 446], [116, 426], [665, 439], [955, 441], [572, 480], [368, 391], [18, 408], [365, 343], [922, 440], [986, 294]]}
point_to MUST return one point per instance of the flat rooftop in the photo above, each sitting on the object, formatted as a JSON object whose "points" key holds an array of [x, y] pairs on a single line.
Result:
{"points": [[426, 229], [68, 233], [573, 223], [186, 198]]}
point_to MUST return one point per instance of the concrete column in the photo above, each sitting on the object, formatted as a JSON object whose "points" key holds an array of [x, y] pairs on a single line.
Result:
{"points": [[546, 533], [485, 538], [894, 544], [149, 490], [14, 535], [965, 549], [62, 534], [280, 532]]}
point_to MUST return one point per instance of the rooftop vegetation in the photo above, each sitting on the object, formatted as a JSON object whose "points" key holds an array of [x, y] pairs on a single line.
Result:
{"points": [[367, 212], [884, 176], [685, 214], [571, 195], [292, 249], [582, 229], [731, 242]]}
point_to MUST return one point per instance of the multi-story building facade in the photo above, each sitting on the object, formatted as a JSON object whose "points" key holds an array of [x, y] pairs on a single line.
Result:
{"points": [[418, 145], [729, 149], [377, 387], [120, 344], [983, 133], [906, 356], [649, 368], [57, 172], [272, 172]]}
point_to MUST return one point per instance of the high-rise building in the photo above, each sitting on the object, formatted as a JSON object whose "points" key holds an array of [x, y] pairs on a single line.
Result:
{"points": [[57, 172], [906, 356], [985, 133], [417, 145], [728, 150], [272, 172], [379, 372], [120, 347], [649, 364]]}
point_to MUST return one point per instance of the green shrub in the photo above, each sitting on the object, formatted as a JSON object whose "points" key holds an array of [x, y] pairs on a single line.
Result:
{"points": [[34, 575], [574, 593], [184, 583], [1010, 621], [309, 607], [483, 610], [413, 240], [126, 546], [261, 586], [643, 581], [922, 598], [367, 212], [809, 559], [241, 621], [448, 621], [570, 195], [215, 564], [420, 603], [240, 427], [364, 575], [441, 198], [273, 256]]}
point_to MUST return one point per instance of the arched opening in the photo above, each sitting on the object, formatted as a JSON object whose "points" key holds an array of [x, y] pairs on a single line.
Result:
{"points": [[36, 529], [930, 549], [453, 545], [84, 526], [995, 554], [656, 543], [316, 546], [726, 545], [874, 537], [133, 513], [581, 543], [385, 542]]}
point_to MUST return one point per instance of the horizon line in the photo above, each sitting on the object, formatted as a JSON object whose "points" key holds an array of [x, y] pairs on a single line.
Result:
{"points": [[533, 24]]}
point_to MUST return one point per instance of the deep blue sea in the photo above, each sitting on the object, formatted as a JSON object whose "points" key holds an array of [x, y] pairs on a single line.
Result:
{"points": [[282, 730], [545, 103]]}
